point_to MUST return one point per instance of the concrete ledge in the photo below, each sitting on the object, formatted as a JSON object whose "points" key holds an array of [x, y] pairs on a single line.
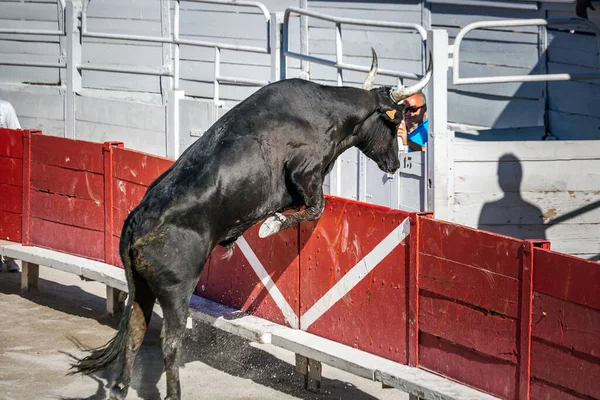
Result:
{"points": [[418, 382]]}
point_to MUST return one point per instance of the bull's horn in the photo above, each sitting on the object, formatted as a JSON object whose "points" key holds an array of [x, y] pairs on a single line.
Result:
{"points": [[401, 93], [368, 84]]}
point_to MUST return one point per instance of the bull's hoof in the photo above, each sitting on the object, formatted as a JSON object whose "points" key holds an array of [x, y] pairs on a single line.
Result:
{"points": [[271, 226]]}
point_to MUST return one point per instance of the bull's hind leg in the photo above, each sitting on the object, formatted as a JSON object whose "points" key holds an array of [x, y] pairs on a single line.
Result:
{"points": [[143, 304], [310, 187]]}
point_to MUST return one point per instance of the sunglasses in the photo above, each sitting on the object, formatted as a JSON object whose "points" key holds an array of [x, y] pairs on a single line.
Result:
{"points": [[414, 109]]}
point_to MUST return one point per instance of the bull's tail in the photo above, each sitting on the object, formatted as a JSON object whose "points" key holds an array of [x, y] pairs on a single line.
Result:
{"points": [[100, 358]]}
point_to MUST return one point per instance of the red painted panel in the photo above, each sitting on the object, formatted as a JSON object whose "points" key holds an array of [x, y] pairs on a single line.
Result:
{"points": [[11, 198], [69, 239], [12, 171], [544, 391], [483, 332], [479, 287], [117, 255], [67, 153], [126, 197], [119, 216], [479, 249], [566, 368], [234, 282], [10, 226], [371, 316], [81, 184], [137, 167], [567, 277], [67, 210], [485, 373], [11, 143], [566, 324]]}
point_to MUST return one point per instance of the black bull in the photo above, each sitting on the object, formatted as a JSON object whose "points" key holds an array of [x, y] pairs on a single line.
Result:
{"points": [[267, 155]]}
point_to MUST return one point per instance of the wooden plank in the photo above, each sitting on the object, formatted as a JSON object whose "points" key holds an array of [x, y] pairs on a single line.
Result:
{"points": [[66, 210], [469, 367], [68, 239], [30, 104], [149, 10], [11, 143], [577, 371], [566, 126], [126, 197], [506, 53], [29, 75], [487, 251], [492, 292], [105, 111], [523, 5], [226, 92], [12, 171], [223, 24], [565, 238], [48, 126], [536, 176], [118, 26], [32, 48], [11, 199], [67, 182], [494, 111], [478, 330], [140, 139], [541, 390], [461, 15], [527, 150], [527, 208], [405, 16], [574, 97], [67, 153], [566, 324], [120, 81], [139, 168], [29, 11], [327, 7], [361, 47], [122, 53], [10, 226], [568, 278], [572, 48]]}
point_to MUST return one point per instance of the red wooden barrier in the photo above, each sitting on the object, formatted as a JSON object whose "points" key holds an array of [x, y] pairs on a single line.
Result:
{"points": [[509, 317], [11, 184]]}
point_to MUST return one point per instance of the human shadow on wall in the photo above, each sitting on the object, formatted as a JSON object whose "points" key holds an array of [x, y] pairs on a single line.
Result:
{"points": [[512, 215]]}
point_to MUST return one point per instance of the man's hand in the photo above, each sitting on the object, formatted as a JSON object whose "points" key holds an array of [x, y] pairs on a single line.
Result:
{"points": [[402, 133]]}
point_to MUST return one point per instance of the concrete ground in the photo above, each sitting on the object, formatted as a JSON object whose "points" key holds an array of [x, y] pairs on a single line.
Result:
{"points": [[215, 365]]}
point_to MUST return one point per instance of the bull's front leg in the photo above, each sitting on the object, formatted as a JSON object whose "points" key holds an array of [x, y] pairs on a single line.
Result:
{"points": [[311, 189]]}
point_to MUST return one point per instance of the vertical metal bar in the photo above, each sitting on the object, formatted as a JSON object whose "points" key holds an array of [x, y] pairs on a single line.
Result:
{"points": [[167, 48], [107, 154], [339, 56], [438, 142], [305, 65], [275, 46], [176, 49], [217, 74], [74, 81], [412, 320], [526, 314]]}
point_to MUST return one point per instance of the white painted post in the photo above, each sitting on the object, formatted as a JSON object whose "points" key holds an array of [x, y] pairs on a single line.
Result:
{"points": [[115, 300], [173, 118], [439, 174], [73, 62], [305, 65], [276, 47], [30, 274]]}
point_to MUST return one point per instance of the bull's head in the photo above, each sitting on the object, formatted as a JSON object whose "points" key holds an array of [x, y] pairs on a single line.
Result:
{"points": [[377, 134]]}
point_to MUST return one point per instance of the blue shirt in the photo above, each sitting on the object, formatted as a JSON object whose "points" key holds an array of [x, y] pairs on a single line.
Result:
{"points": [[419, 134]]}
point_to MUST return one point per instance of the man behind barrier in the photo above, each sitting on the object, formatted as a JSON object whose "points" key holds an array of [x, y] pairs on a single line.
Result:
{"points": [[413, 129], [8, 119]]}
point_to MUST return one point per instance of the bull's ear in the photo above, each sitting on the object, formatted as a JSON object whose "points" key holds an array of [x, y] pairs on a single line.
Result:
{"points": [[393, 115]]}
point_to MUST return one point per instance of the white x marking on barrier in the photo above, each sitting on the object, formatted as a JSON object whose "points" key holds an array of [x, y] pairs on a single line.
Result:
{"points": [[337, 291]]}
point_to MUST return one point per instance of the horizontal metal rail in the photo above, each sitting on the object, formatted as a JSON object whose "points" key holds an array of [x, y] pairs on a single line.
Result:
{"points": [[33, 64], [339, 63], [457, 80]]}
